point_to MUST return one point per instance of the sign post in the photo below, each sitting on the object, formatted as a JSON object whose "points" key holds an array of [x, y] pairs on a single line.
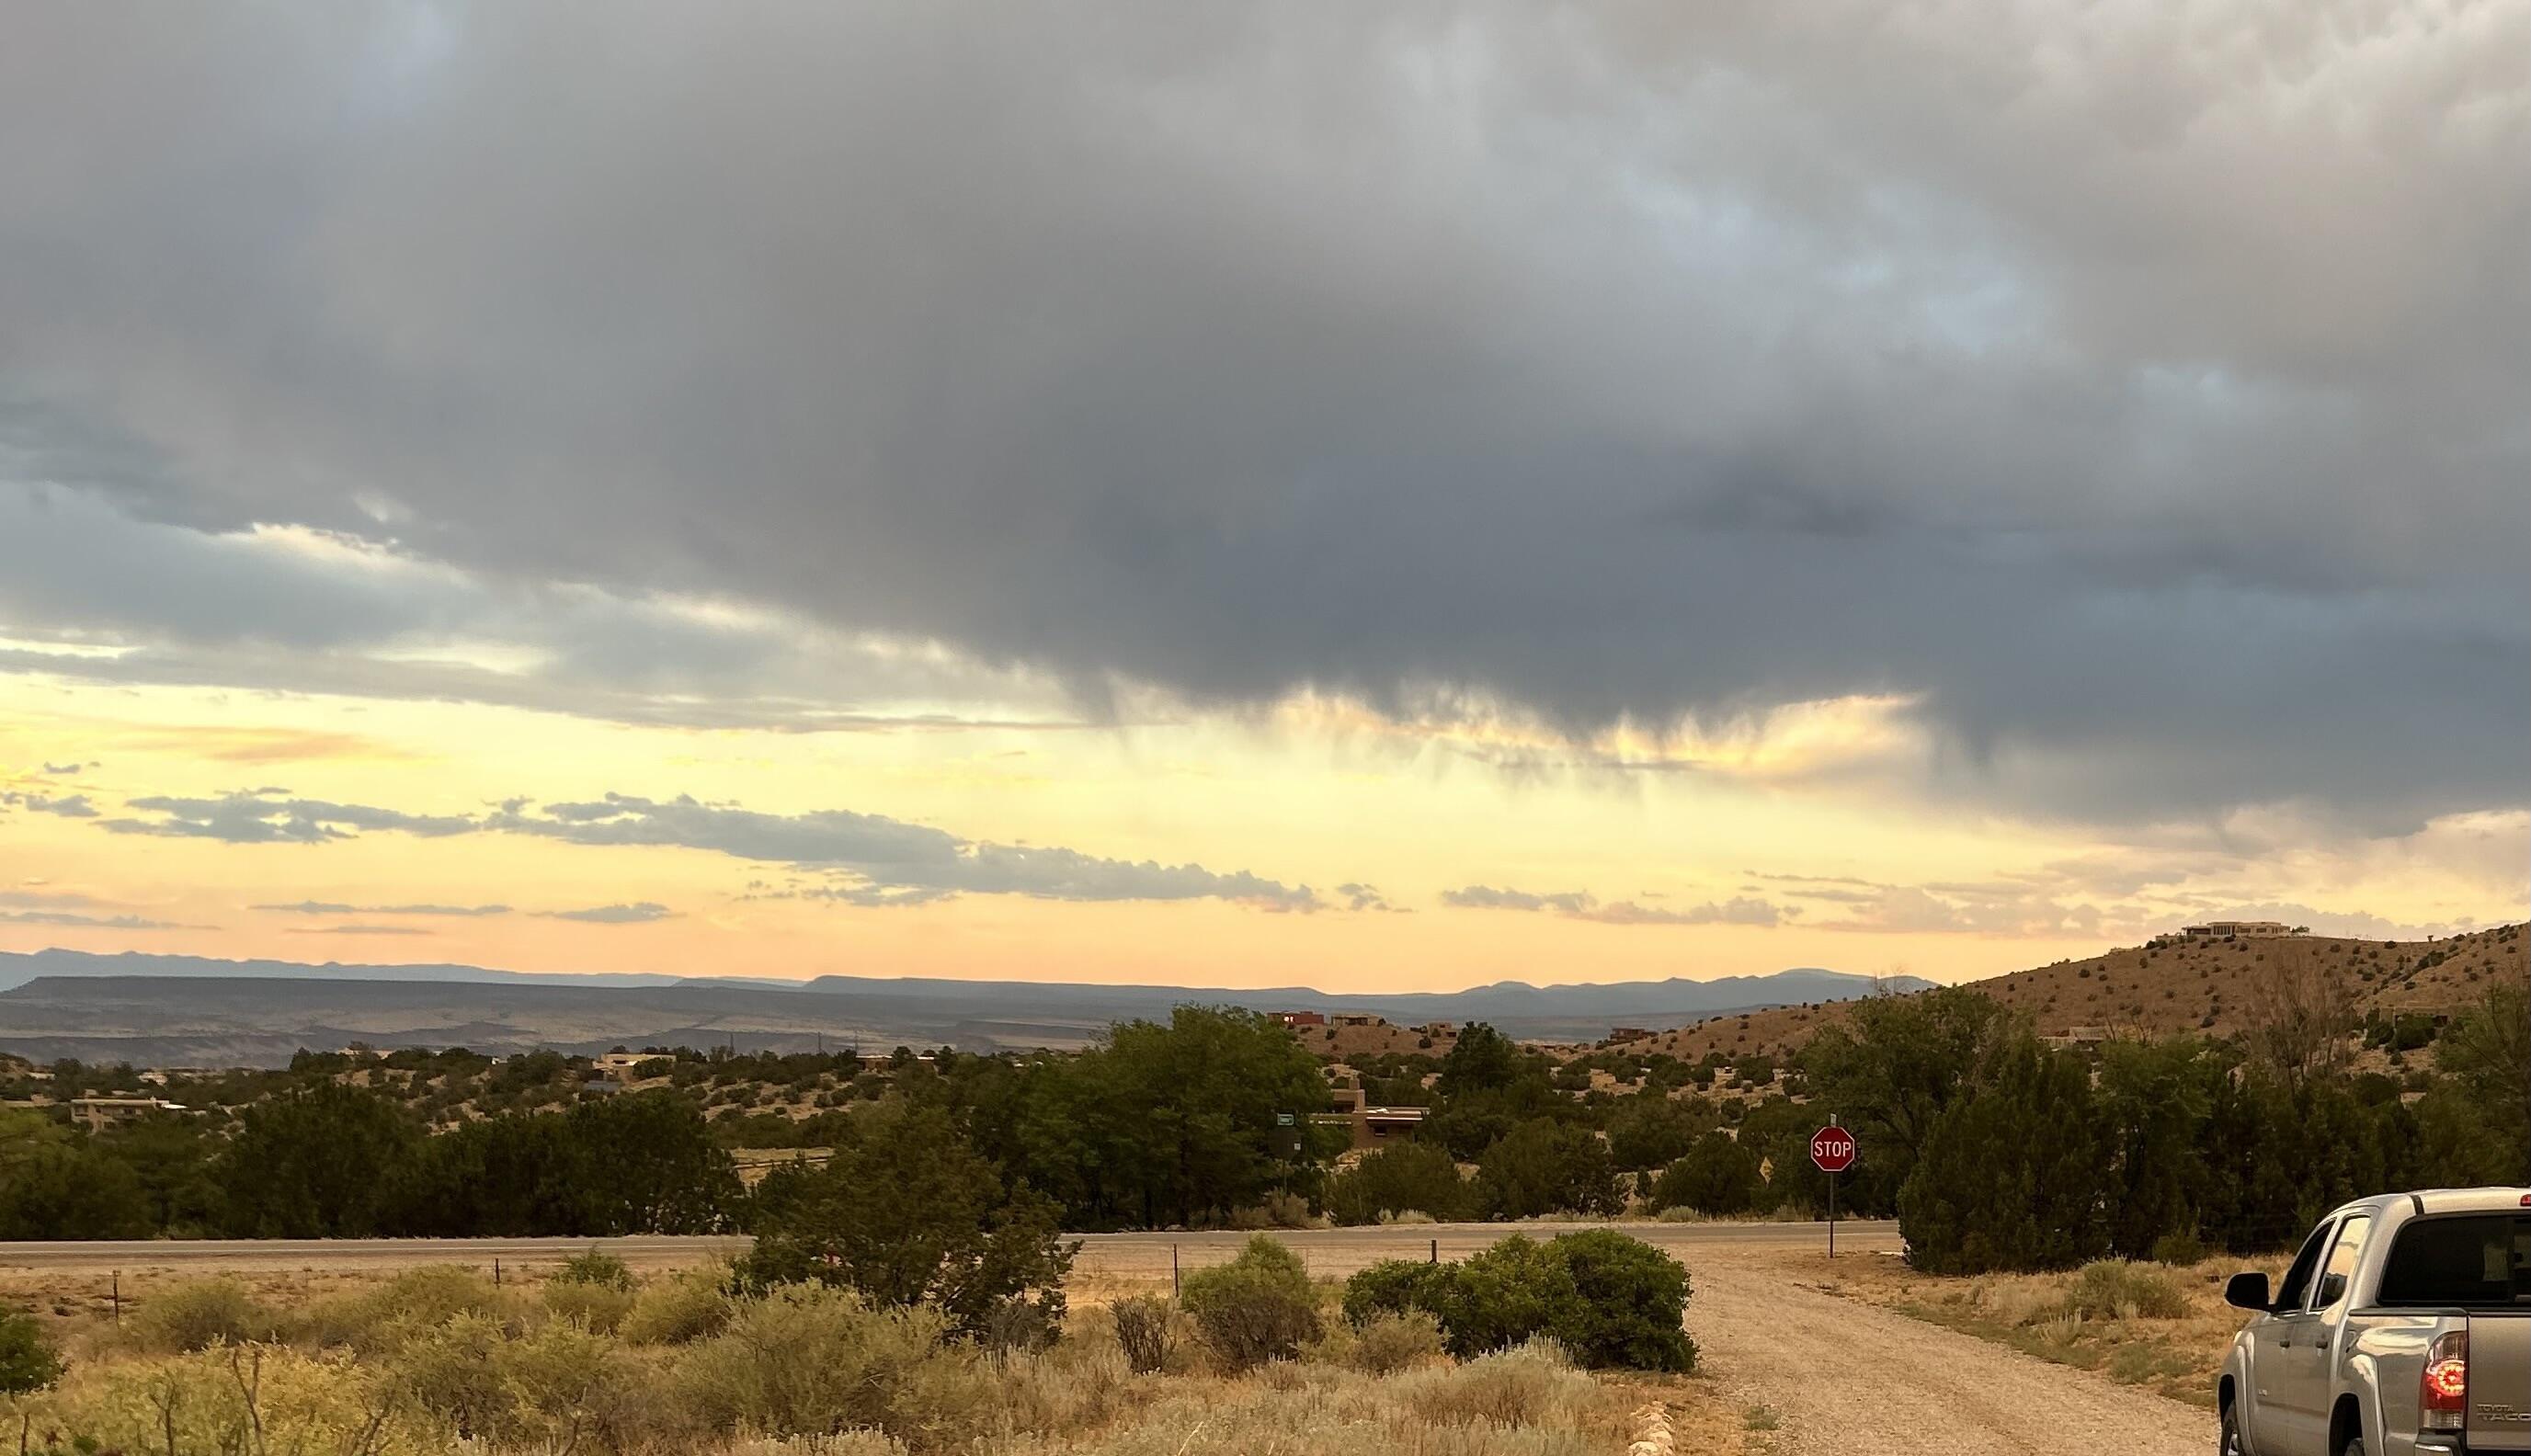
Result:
{"points": [[1832, 1149]]}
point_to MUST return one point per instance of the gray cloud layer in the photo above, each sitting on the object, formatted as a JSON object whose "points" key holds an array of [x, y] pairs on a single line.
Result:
{"points": [[638, 914], [67, 806], [2140, 385], [1580, 905], [873, 860]]}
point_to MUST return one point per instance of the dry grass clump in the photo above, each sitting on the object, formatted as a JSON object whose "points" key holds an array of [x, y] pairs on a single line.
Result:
{"points": [[680, 1307], [843, 1443], [198, 1314], [378, 1318], [1382, 1345], [1535, 1384], [2140, 1323], [218, 1400], [1525, 1402], [599, 1307], [2111, 1289], [440, 1363], [807, 1361]]}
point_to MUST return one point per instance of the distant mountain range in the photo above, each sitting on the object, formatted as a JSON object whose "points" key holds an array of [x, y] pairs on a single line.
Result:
{"points": [[194, 1011]]}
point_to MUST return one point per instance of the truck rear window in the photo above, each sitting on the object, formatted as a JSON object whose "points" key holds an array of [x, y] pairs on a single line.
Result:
{"points": [[2473, 1261]]}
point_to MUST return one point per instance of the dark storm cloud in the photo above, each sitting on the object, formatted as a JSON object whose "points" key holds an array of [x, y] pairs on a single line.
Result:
{"points": [[874, 859], [2072, 370]]}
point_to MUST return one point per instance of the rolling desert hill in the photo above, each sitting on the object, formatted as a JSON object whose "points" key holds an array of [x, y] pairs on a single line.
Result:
{"points": [[2201, 985], [187, 1011]]}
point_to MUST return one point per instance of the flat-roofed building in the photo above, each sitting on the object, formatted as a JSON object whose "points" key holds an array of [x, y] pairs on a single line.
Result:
{"points": [[2241, 930], [100, 1114]]}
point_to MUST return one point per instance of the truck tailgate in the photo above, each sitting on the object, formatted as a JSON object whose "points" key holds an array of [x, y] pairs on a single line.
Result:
{"points": [[2500, 1381]]}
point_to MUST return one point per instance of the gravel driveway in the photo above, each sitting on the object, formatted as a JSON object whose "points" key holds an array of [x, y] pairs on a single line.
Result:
{"points": [[1847, 1379]]}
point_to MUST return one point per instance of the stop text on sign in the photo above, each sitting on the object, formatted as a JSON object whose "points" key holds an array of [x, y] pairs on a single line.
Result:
{"points": [[1834, 1149]]}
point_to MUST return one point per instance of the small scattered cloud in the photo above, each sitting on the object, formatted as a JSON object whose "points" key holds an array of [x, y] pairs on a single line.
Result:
{"points": [[67, 806], [59, 770], [1357, 896], [74, 920], [638, 913], [358, 930], [320, 907], [1486, 897]]}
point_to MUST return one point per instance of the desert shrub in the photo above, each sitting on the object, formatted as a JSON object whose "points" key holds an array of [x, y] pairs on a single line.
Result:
{"points": [[1547, 1168], [679, 1309], [1400, 1178], [912, 1215], [2013, 1176], [1392, 1286], [384, 1317], [200, 1314], [1144, 1332], [1718, 1176], [2111, 1290], [595, 1306], [1018, 1324], [594, 1267], [1631, 1301], [450, 1370], [1388, 1343], [568, 1386], [27, 1361], [1499, 1296], [1278, 1209], [1257, 1308], [805, 1360], [1609, 1300], [237, 1400], [2181, 1251]]}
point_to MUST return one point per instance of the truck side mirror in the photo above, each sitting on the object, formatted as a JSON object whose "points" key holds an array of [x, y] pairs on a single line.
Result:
{"points": [[2248, 1291]]}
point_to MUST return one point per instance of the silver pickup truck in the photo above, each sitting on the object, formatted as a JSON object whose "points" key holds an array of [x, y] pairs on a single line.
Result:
{"points": [[2403, 1329]]}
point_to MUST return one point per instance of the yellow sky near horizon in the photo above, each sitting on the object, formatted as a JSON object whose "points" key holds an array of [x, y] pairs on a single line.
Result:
{"points": [[1790, 842]]}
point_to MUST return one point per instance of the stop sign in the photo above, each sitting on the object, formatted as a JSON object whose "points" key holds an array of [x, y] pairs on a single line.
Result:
{"points": [[1834, 1149]]}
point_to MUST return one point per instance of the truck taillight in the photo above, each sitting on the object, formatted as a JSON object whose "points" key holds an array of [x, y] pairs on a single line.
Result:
{"points": [[2443, 1391]]}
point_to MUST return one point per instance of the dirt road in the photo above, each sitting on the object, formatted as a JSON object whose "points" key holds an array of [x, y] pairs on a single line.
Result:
{"points": [[1845, 1377]]}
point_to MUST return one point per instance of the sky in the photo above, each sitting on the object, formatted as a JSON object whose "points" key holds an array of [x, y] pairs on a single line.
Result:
{"points": [[1374, 497]]}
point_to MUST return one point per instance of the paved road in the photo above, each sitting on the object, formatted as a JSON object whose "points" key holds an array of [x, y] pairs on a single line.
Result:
{"points": [[1115, 1255], [1848, 1379]]}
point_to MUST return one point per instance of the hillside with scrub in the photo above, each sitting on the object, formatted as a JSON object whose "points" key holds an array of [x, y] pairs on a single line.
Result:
{"points": [[2219, 987]]}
